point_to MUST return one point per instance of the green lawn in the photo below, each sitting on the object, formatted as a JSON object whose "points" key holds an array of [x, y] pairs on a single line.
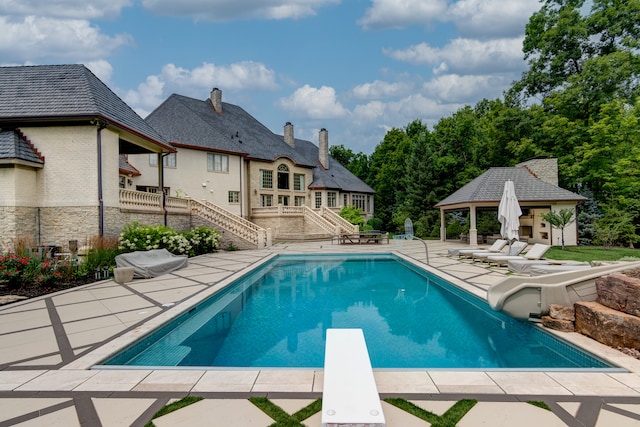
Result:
{"points": [[591, 253]]}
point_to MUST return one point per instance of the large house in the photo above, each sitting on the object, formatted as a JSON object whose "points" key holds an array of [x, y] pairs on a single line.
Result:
{"points": [[61, 133], [76, 162], [228, 158]]}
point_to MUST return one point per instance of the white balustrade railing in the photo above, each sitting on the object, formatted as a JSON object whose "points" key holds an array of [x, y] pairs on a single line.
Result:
{"points": [[140, 200], [345, 226], [232, 223]]}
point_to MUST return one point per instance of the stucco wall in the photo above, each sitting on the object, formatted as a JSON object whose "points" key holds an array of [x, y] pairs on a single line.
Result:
{"points": [[190, 173]]}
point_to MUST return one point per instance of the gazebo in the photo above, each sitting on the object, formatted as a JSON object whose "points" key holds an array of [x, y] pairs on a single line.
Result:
{"points": [[537, 191]]}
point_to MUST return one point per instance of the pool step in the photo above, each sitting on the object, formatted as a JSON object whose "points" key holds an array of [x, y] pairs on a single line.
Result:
{"points": [[349, 396]]}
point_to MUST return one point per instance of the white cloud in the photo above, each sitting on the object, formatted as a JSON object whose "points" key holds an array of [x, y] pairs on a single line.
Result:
{"points": [[472, 18], [491, 18], [394, 14], [314, 103], [35, 39], [452, 88], [466, 56], [226, 10], [79, 9], [381, 89], [197, 82], [102, 69]]}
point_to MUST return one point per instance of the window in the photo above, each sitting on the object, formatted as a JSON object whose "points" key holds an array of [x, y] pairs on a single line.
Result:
{"points": [[283, 177], [234, 197], [283, 200], [298, 201], [217, 162], [331, 199], [266, 179], [345, 200], [168, 160], [357, 200], [298, 182], [318, 199], [123, 180], [266, 200], [368, 203], [149, 189]]}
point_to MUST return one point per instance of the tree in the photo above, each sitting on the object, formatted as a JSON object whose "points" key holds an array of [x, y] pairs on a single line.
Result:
{"points": [[560, 220], [584, 59]]}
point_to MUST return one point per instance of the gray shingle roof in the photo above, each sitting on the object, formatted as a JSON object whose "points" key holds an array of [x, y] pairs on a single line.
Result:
{"points": [[489, 186], [194, 123], [65, 92], [337, 177], [14, 146], [125, 167]]}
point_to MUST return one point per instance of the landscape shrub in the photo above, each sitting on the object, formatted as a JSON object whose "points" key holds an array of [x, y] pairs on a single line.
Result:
{"points": [[197, 241]]}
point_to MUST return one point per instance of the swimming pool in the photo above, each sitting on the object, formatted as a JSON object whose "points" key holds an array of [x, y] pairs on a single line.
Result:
{"points": [[277, 316]]}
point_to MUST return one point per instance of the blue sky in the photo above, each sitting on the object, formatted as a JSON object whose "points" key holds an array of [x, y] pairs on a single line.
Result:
{"points": [[355, 67]]}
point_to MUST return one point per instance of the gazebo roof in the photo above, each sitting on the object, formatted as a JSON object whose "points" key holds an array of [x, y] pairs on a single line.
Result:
{"points": [[488, 187]]}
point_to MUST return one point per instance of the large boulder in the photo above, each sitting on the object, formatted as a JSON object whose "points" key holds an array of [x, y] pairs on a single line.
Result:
{"points": [[606, 325], [620, 292]]}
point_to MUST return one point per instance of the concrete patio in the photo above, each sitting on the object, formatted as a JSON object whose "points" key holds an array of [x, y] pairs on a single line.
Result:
{"points": [[48, 345]]}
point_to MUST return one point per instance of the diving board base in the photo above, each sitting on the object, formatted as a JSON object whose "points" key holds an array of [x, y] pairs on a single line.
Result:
{"points": [[350, 396]]}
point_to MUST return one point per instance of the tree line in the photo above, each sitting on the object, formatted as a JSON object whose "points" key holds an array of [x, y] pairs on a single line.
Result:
{"points": [[578, 101]]}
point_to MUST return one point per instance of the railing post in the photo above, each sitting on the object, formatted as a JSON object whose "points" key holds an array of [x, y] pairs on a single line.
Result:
{"points": [[268, 231]]}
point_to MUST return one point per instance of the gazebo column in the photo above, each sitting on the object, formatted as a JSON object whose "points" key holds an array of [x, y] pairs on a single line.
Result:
{"points": [[443, 226], [473, 230]]}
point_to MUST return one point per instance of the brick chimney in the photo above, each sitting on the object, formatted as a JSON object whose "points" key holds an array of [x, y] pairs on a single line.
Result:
{"points": [[216, 100], [288, 135], [323, 151]]}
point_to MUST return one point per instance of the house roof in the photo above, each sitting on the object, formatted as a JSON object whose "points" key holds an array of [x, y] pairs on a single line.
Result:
{"points": [[489, 186], [194, 123], [336, 177], [54, 93], [127, 168], [13, 146]]}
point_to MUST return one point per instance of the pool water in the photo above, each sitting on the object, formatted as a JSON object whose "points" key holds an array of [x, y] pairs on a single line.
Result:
{"points": [[277, 317]]}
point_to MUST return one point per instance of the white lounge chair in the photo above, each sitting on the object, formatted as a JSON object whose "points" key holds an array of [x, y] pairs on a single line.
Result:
{"points": [[514, 250], [497, 247], [524, 266], [536, 252]]}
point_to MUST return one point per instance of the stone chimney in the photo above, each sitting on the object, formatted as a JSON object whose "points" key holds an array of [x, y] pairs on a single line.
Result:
{"points": [[544, 169], [288, 135], [216, 100], [323, 151]]}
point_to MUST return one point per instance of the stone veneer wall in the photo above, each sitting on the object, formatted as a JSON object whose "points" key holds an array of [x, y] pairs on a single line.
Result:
{"points": [[12, 219]]}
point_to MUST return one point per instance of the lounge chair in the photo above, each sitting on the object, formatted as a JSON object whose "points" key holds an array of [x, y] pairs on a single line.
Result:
{"points": [[497, 247], [525, 266], [536, 252], [514, 250]]}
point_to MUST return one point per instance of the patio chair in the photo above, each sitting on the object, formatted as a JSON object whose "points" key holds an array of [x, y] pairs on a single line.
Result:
{"points": [[515, 249], [497, 247], [524, 266], [536, 252]]}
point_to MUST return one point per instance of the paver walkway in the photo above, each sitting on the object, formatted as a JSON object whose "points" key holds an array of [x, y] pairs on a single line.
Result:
{"points": [[48, 344]]}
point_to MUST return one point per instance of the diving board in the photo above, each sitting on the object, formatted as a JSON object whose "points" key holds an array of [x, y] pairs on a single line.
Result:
{"points": [[349, 396]]}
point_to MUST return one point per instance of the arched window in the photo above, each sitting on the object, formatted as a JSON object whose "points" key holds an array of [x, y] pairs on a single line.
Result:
{"points": [[283, 177]]}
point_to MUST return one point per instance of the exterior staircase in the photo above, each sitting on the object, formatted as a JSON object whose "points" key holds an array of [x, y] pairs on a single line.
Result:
{"points": [[232, 223]]}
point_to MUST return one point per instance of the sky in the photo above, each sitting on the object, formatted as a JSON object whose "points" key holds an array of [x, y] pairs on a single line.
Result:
{"points": [[355, 67]]}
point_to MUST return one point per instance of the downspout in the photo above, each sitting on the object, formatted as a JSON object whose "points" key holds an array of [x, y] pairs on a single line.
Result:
{"points": [[161, 184], [101, 125], [241, 189]]}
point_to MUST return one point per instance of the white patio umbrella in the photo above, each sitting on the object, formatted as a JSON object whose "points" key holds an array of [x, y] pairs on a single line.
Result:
{"points": [[509, 213]]}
